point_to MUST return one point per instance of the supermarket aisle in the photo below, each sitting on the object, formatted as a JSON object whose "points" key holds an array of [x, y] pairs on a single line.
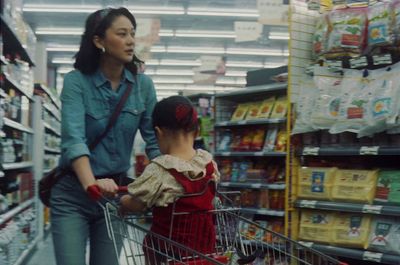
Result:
{"points": [[44, 253]]}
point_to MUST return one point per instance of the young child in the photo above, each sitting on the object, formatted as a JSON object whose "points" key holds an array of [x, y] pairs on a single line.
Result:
{"points": [[181, 170]]}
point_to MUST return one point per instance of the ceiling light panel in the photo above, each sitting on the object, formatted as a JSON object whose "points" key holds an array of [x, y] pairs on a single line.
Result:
{"points": [[205, 34], [222, 12], [59, 31], [44, 8]]}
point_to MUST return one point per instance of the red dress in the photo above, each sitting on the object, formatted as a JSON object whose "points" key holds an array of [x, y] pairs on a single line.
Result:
{"points": [[195, 230]]}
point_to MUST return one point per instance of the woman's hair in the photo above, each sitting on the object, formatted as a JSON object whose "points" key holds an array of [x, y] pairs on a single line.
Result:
{"points": [[175, 113], [88, 57]]}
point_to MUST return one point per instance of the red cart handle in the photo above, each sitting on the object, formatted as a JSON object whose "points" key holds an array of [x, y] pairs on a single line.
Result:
{"points": [[95, 194]]}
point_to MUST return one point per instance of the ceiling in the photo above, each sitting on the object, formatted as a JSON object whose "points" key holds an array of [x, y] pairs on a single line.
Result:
{"points": [[179, 21]]}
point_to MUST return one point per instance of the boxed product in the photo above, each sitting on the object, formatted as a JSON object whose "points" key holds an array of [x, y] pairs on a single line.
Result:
{"points": [[280, 108], [240, 112], [388, 187], [354, 185], [385, 235], [253, 110], [316, 226], [316, 182], [266, 108], [281, 139], [351, 230]]}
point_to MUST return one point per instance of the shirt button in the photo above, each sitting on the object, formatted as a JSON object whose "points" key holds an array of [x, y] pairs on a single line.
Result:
{"points": [[135, 111]]}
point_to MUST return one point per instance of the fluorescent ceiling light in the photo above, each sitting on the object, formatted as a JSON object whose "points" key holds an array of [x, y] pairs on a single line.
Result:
{"points": [[157, 10], [166, 62], [222, 12], [166, 93], [64, 70], [158, 49], [63, 60], [261, 52], [163, 80], [229, 81], [273, 65], [205, 34], [59, 31], [202, 50], [62, 48], [192, 88], [60, 8], [244, 64], [170, 72], [279, 35], [166, 33]]}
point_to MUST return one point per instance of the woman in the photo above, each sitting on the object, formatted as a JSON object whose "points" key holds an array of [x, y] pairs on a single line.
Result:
{"points": [[105, 67]]}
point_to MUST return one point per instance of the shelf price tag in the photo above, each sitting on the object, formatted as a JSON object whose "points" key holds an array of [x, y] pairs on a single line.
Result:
{"points": [[369, 150], [255, 185], [226, 153], [308, 204], [358, 62], [382, 59], [334, 65], [313, 151], [223, 123], [372, 256], [306, 244], [260, 153], [374, 209], [242, 122]]}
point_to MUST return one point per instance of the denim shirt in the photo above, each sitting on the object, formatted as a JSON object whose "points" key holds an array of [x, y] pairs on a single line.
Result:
{"points": [[88, 101]]}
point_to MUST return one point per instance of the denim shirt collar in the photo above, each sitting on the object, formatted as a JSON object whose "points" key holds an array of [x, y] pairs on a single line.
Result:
{"points": [[99, 79]]}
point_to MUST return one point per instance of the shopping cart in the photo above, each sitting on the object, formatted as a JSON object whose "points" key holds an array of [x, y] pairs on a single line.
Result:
{"points": [[226, 244]]}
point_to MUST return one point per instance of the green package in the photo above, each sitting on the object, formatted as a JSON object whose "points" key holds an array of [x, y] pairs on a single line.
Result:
{"points": [[388, 187]]}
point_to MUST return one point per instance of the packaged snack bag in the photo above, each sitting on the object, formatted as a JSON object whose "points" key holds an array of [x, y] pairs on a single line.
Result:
{"points": [[226, 141], [253, 111], [243, 167], [383, 109], [348, 32], [280, 108], [225, 168], [266, 108], [385, 235], [325, 111], [237, 139], [356, 97], [235, 172], [264, 199], [316, 226], [315, 182], [247, 138], [257, 142], [354, 185], [351, 230], [270, 139], [319, 39], [388, 187], [240, 112], [305, 106], [379, 30], [281, 139], [395, 21]]}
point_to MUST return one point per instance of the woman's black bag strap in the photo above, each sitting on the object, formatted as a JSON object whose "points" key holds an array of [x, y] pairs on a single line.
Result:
{"points": [[113, 117]]}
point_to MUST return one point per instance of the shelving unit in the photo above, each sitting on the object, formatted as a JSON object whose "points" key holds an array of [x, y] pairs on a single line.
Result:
{"points": [[225, 105], [319, 149]]}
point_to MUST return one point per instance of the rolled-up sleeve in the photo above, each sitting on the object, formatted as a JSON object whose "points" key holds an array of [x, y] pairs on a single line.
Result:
{"points": [[146, 124], [73, 139]]}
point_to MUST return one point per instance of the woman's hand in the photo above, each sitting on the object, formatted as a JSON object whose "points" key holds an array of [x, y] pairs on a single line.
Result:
{"points": [[108, 187]]}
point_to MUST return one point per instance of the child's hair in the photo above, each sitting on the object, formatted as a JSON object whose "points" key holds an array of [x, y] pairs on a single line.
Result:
{"points": [[175, 113]]}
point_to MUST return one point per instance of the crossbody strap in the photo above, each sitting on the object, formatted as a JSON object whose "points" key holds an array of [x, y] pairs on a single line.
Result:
{"points": [[113, 117]]}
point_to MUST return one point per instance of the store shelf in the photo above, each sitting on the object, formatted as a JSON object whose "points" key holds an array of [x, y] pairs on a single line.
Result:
{"points": [[48, 126], [350, 151], [260, 153], [349, 207], [252, 185], [11, 213], [253, 91], [3, 93], [249, 122], [17, 86], [52, 150], [13, 43], [45, 171], [26, 252], [51, 95], [16, 125], [52, 111], [1, 174], [18, 165], [380, 258], [267, 212]]}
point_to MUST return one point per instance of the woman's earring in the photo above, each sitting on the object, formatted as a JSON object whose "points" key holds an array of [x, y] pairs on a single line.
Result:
{"points": [[103, 50]]}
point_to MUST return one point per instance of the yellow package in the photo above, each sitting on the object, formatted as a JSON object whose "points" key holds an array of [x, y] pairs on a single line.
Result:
{"points": [[316, 226], [355, 185], [265, 108], [280, 108], [253, 110], [240, 112], [316, 182], [281, 139], [351, 230]]}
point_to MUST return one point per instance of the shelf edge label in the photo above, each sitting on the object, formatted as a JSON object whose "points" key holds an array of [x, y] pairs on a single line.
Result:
{"points": [[369, 150], [372, 256], [311, 151], [308, 204], [374, 209]]}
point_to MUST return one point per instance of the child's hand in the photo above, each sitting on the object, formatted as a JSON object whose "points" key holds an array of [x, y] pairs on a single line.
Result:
{"points": [[124, 204]]}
